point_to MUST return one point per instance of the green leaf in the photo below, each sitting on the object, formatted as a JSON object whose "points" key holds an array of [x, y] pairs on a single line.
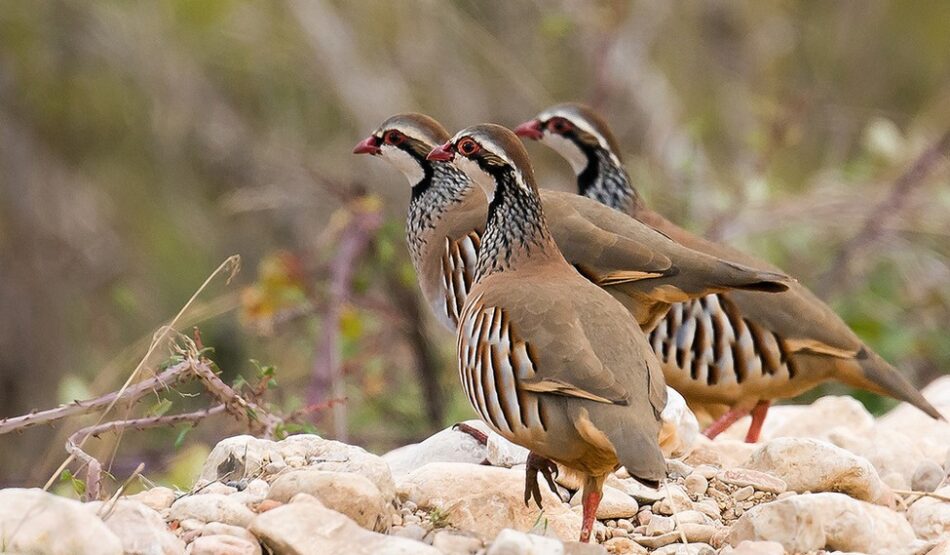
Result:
{"points": [[78, 485], [159, 408], [180, 439]]}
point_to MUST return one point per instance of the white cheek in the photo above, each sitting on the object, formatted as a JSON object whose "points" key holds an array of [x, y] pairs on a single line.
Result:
{"points": [[476, 174], [566, 148], [404, 162]]}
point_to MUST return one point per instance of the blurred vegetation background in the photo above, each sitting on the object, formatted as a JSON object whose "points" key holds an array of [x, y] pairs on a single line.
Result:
{"points": [[142, 143]]}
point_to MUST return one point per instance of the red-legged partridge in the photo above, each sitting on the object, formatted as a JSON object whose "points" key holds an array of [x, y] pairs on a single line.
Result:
{"points": [[644, 269], [741, 349], [548, 359]]}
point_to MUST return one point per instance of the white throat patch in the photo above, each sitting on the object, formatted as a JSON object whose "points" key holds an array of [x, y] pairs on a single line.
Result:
{"points": [[404, 162], [566, 148], [478, 176]]}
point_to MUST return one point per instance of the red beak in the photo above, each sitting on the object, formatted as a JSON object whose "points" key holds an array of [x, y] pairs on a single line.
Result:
{"points": [[369, 145], [530, 129], [442, 153]]}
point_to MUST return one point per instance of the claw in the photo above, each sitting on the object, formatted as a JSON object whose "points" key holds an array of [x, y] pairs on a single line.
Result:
{"points": [[532, 489]]}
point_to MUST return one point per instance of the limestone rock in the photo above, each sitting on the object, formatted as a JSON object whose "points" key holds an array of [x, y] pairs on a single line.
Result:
{"points": [[722, 452], [140, 528], [686, 549], [931, 435], [451, 543], [930, 517], [306, 527], [448, 445], [927, 476], [221, 529], [347, 493], [157, 498], [220, 544], [813, 465], [891, 452], [615, 504], [34, 521], [624, 546], [512, 542], [680, 429], [754, 548], [502, 452], [485, 499], [814, 521], [213, 507], [248, 457], [759, 481]]}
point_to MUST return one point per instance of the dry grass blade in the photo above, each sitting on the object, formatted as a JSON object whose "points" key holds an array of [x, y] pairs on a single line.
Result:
{"points": [[230, 266]]}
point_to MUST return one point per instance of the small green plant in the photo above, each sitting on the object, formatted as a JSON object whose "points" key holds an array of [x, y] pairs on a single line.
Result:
{"points": [[439, 517]]}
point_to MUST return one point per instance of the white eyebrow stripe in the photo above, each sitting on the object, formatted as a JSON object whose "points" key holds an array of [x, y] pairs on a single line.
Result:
{"points": [[584, 126]]}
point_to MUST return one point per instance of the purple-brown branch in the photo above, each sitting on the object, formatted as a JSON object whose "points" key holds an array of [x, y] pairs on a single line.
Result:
{"points": [[355, 237], [167, 378], [94, 467]]}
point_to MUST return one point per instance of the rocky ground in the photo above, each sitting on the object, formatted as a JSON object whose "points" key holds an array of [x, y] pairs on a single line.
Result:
{"points": [[824, 477]]}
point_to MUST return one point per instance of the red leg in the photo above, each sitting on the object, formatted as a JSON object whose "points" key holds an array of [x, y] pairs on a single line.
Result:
{"points": [[724, 421], [591, 502], [758, 418]]}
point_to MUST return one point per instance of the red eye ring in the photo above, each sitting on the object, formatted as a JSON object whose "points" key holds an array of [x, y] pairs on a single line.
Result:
{"points": [[560, 125], [394, 138], [467, 147]]}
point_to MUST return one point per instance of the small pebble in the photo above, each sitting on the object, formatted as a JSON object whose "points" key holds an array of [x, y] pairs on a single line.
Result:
{"points": [[411, 531], [786, 494], [410, 506], [696, 484], [743, 493], [625, 524], [927, 477], [707, 471]]}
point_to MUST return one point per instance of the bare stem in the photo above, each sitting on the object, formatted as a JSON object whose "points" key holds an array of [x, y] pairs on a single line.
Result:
{"points": [[94, 467], [167, 378]]}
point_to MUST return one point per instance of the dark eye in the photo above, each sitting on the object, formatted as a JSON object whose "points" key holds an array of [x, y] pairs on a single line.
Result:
{"points": [[467, 147], [560, 125], [394, 138]]}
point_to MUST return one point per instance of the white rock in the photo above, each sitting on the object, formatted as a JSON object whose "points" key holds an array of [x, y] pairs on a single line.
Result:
{"points": [[754, 548], [448, 445], [239, 457], [660, 525], [220, 544], [928, 476], [245, 456], [679, 428], [216, 487], [512, 542], [140, 528], [309, 528], [34, 521], [485, 500], [824, 416], [931, 435], [614, 504], [624, 546], [930, 517], [675, 499], [211, 508], [686, 549], [255, 492], [450, 543], [221, 529], [760, 481], [502, 452], [942, 548], [157, 498], [888, 450], [723, 452], [347, 493], [806, 464], [696, 484], [816, 521]]}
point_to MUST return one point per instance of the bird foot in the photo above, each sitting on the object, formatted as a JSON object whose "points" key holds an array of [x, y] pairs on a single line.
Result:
{"points": [[547, 468]]}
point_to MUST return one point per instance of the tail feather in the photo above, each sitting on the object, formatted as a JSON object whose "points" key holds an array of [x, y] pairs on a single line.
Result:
{"points": [[738, 276], [889, 380], [641, 456]]}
